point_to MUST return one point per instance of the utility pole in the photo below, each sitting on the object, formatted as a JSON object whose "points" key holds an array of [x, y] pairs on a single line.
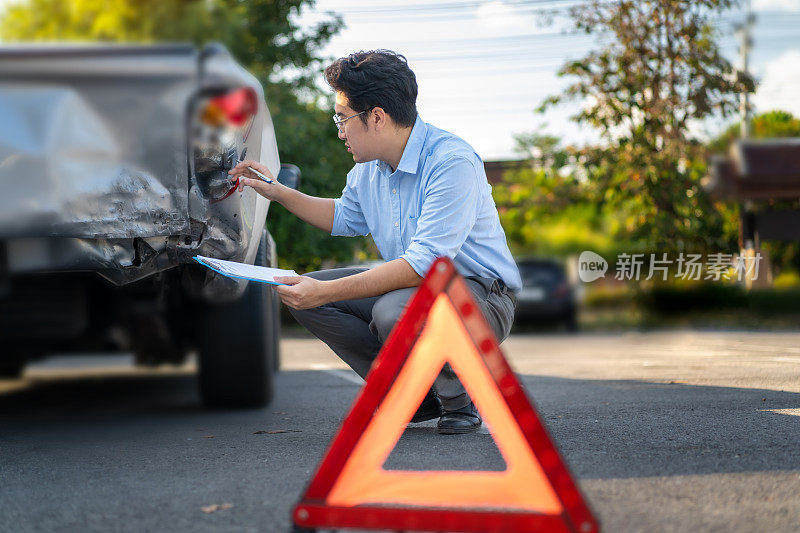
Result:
{"points": [[745, 42], [757, 267]]}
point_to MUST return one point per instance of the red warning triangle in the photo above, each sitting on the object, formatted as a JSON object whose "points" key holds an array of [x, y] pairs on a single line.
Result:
{"points": [[442, 324]]}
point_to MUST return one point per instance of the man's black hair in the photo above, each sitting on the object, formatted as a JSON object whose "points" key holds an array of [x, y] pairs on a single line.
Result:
{"points": [[377, 78]]}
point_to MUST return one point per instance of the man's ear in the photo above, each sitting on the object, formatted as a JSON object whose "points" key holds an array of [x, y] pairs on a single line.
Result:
{"points": [[379, 118]]}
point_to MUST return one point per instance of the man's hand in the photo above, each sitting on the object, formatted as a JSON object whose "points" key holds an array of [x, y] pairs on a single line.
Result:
{"points": [[316, 211], [247, 178], [302, 292]]}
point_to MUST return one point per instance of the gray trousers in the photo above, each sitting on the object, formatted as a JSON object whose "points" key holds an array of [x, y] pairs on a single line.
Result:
{"points": [[356, 329]]}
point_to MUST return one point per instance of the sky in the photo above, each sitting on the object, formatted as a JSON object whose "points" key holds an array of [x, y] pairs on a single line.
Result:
{"points": [[482, 67]]}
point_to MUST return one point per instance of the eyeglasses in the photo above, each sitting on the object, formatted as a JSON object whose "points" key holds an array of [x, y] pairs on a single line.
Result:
{"points": [[340, 121]]}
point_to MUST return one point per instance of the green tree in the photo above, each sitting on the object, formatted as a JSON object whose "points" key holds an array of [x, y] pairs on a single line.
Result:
{"points": [[546, 205], [265, 37], [541, 150], [768, 125], [659, 72], [546, 213]]}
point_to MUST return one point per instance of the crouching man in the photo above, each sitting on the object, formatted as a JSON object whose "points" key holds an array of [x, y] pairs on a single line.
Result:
{"points": [[421, 193]]}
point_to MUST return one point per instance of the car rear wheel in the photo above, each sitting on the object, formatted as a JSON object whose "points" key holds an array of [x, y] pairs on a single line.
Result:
{"points": [[238, 347], [571, 322]]}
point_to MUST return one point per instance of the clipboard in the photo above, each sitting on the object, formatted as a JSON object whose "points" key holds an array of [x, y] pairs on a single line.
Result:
{"points": [[233, 269]]}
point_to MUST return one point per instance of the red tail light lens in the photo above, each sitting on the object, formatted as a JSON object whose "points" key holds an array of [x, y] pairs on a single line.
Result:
{"points": [[222, 128], [561, 290], [236, 108]]}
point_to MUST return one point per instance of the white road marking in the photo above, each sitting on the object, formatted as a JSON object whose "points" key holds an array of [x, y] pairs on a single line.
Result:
{"points": [[347, 375], [792, 412]]}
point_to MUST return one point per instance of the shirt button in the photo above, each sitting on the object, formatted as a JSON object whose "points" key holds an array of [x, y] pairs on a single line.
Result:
{"points": [[394, 191], [396, 224]]}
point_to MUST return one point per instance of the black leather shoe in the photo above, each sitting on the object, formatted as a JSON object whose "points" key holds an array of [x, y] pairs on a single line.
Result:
{"points": [[429, 409], [464, 420]]}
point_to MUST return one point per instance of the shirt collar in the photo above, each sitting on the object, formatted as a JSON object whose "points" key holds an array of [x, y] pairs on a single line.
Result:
{"points": [[409, 161]]}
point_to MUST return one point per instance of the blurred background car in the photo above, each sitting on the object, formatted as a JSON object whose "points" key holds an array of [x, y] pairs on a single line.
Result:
{"points": [[547, 297], [113, 174]]}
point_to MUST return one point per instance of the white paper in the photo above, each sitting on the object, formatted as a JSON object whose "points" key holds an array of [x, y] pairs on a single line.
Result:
{"points": [[243, 270]]}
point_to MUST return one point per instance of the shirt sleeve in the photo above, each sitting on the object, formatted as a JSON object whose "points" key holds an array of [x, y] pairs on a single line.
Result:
{"points": [[348, 218], [449, 211]]}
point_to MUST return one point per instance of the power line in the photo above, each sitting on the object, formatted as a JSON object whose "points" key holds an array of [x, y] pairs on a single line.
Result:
{"points": [[466, 45], [438, 73], [523, 37], [460, 6], [519, 59], [446, 6], [529, 101], [578, 38], [522, 56], [497, 55], [523, 52], [467, 10], [438, 17], [484, 111]]}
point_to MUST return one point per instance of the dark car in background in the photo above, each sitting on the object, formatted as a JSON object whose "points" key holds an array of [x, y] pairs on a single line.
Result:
{"points": [[546, 296], [113, 175]]}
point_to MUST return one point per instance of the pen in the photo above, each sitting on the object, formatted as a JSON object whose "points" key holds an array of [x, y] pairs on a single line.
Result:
{"points": [[260, 175]]}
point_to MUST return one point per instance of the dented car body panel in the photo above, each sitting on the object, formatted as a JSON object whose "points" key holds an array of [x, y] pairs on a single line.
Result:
{"points": [[99, 162]]}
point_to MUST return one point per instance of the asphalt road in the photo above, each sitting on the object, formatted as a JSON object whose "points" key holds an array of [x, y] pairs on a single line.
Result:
{"points": [[683, 431]]}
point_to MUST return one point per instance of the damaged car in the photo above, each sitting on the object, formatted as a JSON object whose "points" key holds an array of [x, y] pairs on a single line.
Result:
{"points": [[113, 175]]}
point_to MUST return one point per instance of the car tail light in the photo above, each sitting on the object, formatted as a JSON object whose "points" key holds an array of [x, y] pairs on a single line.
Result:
{"points": [[562, 289], [236, 108], [221, 128]]}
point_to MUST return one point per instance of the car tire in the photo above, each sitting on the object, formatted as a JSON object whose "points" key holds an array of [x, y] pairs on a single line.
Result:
{"points": [[571, 322], [238, 347]]}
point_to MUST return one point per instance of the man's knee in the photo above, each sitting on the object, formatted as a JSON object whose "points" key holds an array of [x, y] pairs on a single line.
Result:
{"points": [[387, 311], [301, 314]]}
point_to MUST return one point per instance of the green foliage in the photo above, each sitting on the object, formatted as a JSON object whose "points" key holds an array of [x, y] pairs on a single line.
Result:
{"points": [[787, 279], [262, 35], [548, 213], [541, 150], [660, 71], [764, 126], [673, 299], [107, 20]]}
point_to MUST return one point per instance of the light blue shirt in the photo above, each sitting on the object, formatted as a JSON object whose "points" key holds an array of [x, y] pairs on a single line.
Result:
{"points": [[436, 203]]}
